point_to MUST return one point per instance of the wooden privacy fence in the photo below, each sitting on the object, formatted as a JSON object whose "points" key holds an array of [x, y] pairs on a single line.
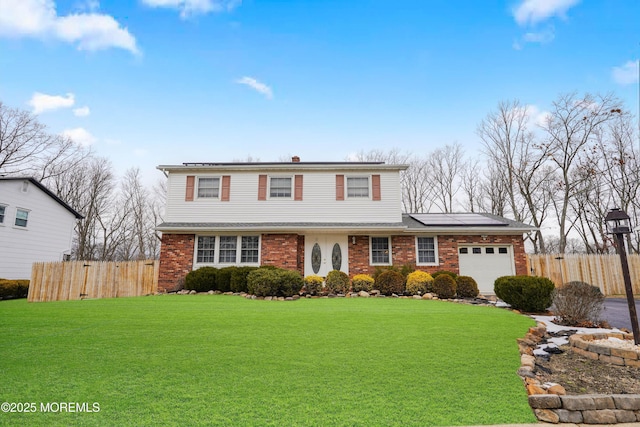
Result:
{"points": [[71, 280], [604, 271]]}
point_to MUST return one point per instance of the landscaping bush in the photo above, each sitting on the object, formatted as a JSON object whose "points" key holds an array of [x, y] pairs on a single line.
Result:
{"points": [[418, 282], [239, 279], [444, 286], [404, 270], [201, 280], [466, 287], [448, 273], [337, 282], [390, 282], [11, 289], [223, 280], [407, 269], [526, 293], [577, 304], [264, 282], [362, 282], [313, 284]]}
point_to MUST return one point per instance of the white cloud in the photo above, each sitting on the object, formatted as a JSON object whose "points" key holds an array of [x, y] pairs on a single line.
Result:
{"points": [[80, 136], [194, 7], [257, 86], [82, 111], [534, 11], [541, 37], [39, 19], [626, 74], [42, 102], [536, 116]]}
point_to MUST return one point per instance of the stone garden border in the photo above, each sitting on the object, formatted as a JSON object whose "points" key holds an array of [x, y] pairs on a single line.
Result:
{"points": [[551, 404]]}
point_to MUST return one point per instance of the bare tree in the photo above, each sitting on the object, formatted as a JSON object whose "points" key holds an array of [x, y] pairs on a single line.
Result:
{"points": [[446, 165], [26, 148]]}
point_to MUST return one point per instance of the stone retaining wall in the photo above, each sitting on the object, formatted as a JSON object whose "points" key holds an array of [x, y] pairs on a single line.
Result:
{"points": [[552, 405], [583, 345]]}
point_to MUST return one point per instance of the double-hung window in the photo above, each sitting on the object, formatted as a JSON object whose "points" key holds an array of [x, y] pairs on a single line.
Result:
{"points": [[357, 187], [2, 211], [250, 249], [280, 187], [426, 247], [380, 250], [227, 252], [206, 249], [208, 187], [22, 216]]}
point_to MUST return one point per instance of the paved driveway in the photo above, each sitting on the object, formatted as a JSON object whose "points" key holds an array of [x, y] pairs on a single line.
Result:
{"points": [[616, 312]]}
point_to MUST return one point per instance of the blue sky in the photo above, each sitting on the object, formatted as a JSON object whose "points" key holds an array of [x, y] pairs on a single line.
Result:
{"points": [[149, 82]]}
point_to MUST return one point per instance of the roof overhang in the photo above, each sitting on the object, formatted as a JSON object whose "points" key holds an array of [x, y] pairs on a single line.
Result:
{"points": [[282, 166], [294, 227]]}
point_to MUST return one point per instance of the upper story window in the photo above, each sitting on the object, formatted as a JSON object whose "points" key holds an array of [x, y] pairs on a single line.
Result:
{"points": [[22, 216], [357, 186], [280, 187], [208, 187], [426, 250], [380, 250], [2, 210]]}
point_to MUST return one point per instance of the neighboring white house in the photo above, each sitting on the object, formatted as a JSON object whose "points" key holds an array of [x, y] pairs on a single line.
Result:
{"points": [[35, 225], [315, 217]]}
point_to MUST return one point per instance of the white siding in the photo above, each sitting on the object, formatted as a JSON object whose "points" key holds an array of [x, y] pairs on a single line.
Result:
{"points": [[47, 236], [319, 202]]}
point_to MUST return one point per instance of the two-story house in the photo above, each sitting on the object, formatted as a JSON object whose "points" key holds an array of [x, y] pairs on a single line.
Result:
{"points": [[35, 226], [315, 217]]}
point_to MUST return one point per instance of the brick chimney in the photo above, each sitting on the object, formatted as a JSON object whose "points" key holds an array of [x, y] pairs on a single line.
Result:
{"points": [[295, 159]]}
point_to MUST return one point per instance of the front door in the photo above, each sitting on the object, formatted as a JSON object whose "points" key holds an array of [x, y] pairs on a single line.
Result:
{"points": [[325, 252]]}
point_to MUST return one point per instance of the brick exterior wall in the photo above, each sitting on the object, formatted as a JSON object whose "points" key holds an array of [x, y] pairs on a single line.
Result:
{"points": [[176, 260], [403, 251], [283, 250]]}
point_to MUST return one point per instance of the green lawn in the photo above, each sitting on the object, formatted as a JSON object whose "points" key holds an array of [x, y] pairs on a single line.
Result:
{"points": [[225, 360]]}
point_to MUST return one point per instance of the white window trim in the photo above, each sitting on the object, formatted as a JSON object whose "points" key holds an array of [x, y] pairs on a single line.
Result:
{"points": [[346, 188], [435, 249], [291, 188], [216, 251], [4, 219], [371, 251], [15, 217], [206, 177]]}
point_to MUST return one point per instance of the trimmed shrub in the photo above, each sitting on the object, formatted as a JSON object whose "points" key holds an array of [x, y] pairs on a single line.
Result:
{"points": [[418, 282], [466, 287], [577, 304], [531, 294], [362, 282], [444, 286], [201, 280], [406, 270], [239, 279], [337, 282], [264, 282], [223, 280], [390, 282], [448, 273], [313, 284], [12, 289]]}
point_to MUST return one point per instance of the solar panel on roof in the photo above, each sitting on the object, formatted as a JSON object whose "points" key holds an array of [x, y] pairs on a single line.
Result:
{"points": [[459, 220]]}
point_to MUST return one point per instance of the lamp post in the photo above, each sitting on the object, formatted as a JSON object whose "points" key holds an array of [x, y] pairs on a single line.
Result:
{"points": [[618, 224]]}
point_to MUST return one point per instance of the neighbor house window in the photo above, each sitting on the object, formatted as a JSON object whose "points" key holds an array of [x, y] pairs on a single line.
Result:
{"points": [[227, 252], [2, 208], [21, 217], [208, 187], [250, 249], [280, 187], [357, 187], [426, 250], [380, 253], [206, 249]]}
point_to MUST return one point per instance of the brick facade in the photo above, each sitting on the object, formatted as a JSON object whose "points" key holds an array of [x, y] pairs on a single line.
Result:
{"points": [[403, 251], [287, 251], [176, 260], [283, 250]]}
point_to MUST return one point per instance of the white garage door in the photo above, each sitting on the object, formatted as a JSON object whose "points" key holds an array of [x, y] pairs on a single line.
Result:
{"points": [[485, 264]]}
